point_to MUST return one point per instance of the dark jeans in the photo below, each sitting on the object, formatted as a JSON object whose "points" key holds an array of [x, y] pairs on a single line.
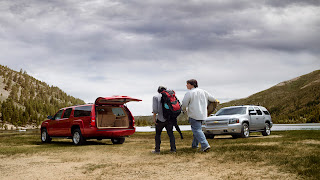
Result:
{"points": [[175, 124], [169, 127]]}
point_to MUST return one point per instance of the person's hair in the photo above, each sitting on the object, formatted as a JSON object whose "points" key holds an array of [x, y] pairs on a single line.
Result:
{"points": [[193, 82], [161, 88]]}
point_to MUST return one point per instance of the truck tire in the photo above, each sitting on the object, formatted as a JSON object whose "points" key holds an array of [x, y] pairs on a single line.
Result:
{"points": [[45, 138], [118, 140], [77, 137], [245, 132], [267, 130]]}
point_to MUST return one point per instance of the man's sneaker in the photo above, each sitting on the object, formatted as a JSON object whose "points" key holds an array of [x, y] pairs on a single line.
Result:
{"points": [[155, 152], [173, 151], [206, 149]]}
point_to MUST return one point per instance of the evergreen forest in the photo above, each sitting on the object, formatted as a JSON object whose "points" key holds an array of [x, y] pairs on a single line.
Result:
{"points": [[26, 100]]}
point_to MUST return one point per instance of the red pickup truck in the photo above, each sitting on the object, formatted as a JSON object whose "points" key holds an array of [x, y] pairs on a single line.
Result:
{"points": [[107, 118]]}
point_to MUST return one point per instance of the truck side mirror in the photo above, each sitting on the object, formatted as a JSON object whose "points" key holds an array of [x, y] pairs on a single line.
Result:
{"points": [[50, 117]]}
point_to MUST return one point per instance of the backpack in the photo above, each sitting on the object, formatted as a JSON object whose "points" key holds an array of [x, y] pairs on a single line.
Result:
{"points": [[170, 105]]}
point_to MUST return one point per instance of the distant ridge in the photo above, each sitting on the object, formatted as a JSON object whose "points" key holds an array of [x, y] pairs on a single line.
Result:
{"points": [[26, 100], [293, 101]]}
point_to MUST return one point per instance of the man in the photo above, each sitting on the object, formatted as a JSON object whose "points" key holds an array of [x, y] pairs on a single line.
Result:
{"points": [[161, 122], [196, 100]]}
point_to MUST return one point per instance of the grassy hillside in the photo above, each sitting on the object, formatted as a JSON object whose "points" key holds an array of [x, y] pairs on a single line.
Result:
{"points": [[293, 101], [26, 100]]}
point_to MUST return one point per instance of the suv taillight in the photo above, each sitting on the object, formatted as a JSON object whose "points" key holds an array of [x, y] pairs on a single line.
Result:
{"points": [[133, 121], [93, 121]]}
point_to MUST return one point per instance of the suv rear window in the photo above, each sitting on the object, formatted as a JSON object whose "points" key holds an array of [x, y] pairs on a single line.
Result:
{"points": [[118, 112], [82, 111], [266, 112]]}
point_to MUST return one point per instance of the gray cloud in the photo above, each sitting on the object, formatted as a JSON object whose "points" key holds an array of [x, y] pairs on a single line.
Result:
{"points": [[234, 48]]}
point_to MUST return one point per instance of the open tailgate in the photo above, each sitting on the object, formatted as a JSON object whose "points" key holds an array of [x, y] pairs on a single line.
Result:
{"points": [[114, 100]]}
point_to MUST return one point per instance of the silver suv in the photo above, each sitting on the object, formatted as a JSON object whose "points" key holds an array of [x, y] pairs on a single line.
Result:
{"points": [[238, 121]]}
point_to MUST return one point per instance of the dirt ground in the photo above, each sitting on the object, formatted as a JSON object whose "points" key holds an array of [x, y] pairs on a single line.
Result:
{"points": [[131, 160]]}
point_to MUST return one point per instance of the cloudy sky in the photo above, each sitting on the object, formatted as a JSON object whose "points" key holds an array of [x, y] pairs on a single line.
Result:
{"points": [[92, 48]]}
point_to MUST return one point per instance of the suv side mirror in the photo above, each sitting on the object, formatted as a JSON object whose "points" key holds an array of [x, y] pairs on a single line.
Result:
{"points": [[50, 117]]}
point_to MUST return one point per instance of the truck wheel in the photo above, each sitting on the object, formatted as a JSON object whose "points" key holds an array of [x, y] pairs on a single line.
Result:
{"points": [[45, 138], [245, 132], [118, 140], [77, 137], [267, 130]]}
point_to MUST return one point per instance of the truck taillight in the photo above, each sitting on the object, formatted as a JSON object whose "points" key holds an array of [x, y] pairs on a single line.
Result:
{"points": [[93, 121], [133, 121]]}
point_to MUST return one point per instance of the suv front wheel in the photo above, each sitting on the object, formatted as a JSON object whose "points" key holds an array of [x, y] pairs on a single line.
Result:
{"points": [[245, 132], [45, 138], [77, 137]]}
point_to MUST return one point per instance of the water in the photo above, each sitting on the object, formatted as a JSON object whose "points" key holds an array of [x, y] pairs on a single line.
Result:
{"points": [[275, 127], [289, 127]]}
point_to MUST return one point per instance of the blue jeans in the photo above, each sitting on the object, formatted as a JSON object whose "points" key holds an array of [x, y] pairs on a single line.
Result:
{"points": [[198, 135]]}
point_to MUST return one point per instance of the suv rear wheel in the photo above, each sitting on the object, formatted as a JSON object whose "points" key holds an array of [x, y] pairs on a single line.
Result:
{"points": [[235, 136], [45, 138], [266, 131], [77, 137], [209, 136], [245, 132], [118, 140]]}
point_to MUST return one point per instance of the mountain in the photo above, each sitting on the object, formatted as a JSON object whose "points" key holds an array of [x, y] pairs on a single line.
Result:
{"points": [[26, 100], [293, 101]]}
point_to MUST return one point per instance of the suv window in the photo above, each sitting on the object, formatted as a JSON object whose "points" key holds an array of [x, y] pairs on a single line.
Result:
{"points": [[266, 112], [258, 110], [231, 111], [58, 115], [118, 111], [67, 113], [82, 111]]}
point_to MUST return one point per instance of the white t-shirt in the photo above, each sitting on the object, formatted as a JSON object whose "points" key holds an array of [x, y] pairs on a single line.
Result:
{"points": [[196, 100]]}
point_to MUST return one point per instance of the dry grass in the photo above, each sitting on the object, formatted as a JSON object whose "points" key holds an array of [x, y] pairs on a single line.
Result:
{"points": [[283, 155]]}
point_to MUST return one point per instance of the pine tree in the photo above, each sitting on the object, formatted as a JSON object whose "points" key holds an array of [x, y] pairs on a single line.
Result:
{"points": [[8, 85]]}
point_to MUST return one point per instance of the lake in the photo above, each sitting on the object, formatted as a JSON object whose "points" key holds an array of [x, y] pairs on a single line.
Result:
{"points": [[275, 127]]}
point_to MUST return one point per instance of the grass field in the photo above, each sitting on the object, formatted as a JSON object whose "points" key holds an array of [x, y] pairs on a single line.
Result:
{"points": [[283, 155]]}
